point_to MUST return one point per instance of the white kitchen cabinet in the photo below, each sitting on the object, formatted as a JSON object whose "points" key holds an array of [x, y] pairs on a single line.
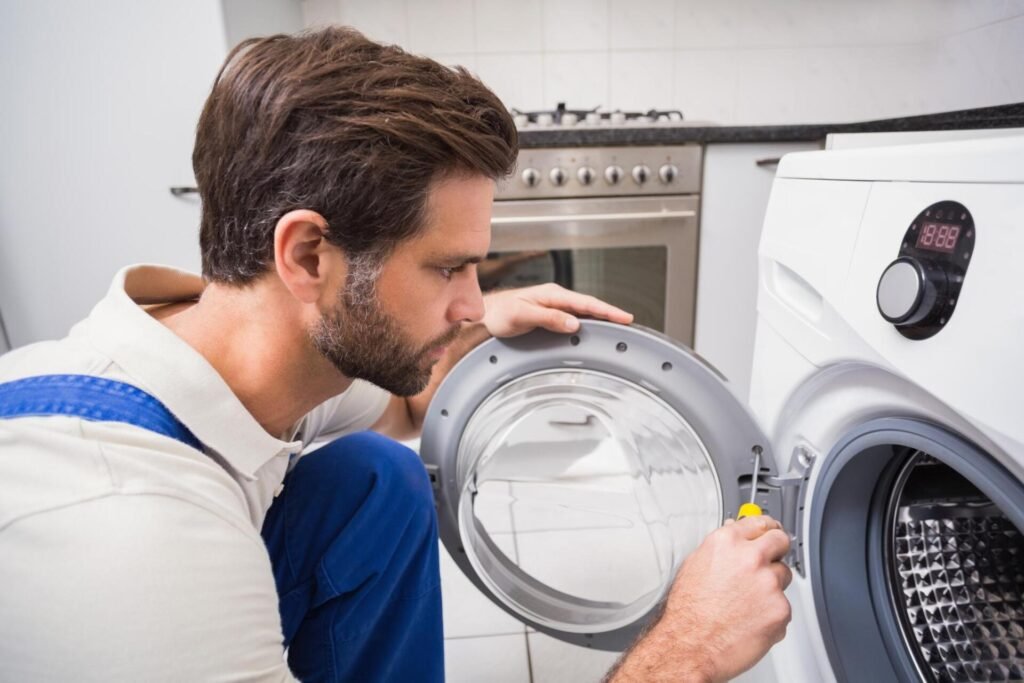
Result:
{"points": [[100, 107], [733, 202]]}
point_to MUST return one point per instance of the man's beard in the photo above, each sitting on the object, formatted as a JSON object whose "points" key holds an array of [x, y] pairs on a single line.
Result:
{"points": [[363, 342]]}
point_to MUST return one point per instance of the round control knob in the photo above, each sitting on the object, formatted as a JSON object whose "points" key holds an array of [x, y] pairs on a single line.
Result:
{"points": [[545, 119], [641, 173], [910, 291], [558, 177], [570, 119], [585, 175], [613, 174], [521, 120], [530, 177], [593, 118], [668, 173], [618, 118]]}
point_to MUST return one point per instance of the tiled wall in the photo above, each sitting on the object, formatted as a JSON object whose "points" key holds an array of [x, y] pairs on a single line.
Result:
{"points": [[728, 61]]}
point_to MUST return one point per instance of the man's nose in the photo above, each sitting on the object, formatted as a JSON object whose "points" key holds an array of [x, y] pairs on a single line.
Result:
{"points": [[468, 305]]}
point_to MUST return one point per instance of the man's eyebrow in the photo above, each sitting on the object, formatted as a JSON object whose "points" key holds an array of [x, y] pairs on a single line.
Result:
{"points": [[459, 259]]}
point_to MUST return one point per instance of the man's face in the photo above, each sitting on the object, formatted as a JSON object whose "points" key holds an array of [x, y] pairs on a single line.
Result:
{"points": [[393, 320]]}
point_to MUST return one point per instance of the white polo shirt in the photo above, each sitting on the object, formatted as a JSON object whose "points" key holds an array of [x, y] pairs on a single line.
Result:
{"points": [[126, 555]]}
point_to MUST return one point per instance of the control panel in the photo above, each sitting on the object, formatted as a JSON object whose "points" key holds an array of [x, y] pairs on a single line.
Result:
{"points": [[603, 171], [918, 291]]}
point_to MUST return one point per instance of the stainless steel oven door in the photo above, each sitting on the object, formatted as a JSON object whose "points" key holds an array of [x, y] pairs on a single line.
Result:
{"points": [[637, 253]]}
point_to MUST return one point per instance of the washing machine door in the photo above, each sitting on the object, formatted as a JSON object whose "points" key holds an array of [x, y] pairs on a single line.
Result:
{"points": [[574, 473]]}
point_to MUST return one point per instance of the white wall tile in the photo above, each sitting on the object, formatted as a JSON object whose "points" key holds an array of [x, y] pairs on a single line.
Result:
{"points": [[576, 25], [641, 80], [496, 659], [441, 26], [699, 23], [642, 24], [517, 79], [504, 26], [1009, 60], [382, 20], [466, 59], [319, 12], [980, 14], [555, 661], [705, 85], [580, 79]]}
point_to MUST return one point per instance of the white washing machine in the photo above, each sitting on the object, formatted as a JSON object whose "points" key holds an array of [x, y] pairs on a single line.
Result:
{"points": [[888, 365], [573, 474]]}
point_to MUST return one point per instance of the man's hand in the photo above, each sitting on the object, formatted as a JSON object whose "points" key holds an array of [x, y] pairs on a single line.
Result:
{"points": [[725, 610], [512, 312]]}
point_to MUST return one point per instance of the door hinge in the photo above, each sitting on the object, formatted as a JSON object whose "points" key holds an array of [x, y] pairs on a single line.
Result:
{"points": [[792, 502]]}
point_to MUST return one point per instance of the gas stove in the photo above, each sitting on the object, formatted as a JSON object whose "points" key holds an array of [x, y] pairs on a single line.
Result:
{"points": [[562, 117]]}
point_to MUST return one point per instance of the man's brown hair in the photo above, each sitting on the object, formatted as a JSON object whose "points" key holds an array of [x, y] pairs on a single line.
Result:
{"points": [[333, 122]]}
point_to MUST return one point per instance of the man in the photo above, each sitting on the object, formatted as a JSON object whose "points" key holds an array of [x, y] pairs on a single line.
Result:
{"points": [[346, 192]]}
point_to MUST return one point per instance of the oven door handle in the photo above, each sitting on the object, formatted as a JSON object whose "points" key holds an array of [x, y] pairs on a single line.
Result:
{"points": [[592, 217]]}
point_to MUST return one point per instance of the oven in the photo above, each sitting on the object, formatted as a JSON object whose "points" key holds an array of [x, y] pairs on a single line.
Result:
{"points": [[618, 223]]}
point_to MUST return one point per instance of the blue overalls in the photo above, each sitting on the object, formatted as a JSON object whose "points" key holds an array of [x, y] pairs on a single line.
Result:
{"points": [[352, 538]]}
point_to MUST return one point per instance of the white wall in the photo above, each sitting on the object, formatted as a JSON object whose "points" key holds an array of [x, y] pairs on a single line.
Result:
{"points": [[729, 61], [100, 103], [100, 107]]}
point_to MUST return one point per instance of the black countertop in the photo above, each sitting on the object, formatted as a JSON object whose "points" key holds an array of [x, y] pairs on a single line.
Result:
{"points": [[1002, 116]]}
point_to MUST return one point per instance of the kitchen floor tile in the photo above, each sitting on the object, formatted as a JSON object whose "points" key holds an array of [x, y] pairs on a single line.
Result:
{"points": [[555, 661], [467, 611], [494, 659], [604, 565]]}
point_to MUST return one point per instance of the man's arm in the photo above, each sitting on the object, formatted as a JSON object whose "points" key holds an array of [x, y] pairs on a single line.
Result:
{"points": [[508, 313], [725, 610]]}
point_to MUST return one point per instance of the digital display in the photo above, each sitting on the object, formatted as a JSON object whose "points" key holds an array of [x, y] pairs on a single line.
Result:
{"points": [[938, 237]]}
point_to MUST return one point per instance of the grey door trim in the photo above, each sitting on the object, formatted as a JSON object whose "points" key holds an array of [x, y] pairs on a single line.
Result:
{"points": [[644, 357]]}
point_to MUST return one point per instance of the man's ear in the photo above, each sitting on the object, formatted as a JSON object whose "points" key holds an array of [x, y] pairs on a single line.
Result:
{"points": [[305, 261]]}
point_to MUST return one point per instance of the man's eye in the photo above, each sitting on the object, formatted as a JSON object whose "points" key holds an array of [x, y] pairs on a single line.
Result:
{"points": [[447, 273]]}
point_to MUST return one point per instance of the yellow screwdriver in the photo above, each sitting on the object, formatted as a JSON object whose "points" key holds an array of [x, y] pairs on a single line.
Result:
{"points": [[751, 509]]}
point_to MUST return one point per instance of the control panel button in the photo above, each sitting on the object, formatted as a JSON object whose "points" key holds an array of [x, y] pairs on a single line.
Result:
{"points": [[558, 177], [531, 177], [641, 174], [668, 173], [613, 174], [910, 291], [920, 290], [585, 175]]}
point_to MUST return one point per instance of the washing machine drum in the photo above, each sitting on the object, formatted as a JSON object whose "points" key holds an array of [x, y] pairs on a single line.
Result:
{"points": [[916, 557], [574, 474], [956, 575]]}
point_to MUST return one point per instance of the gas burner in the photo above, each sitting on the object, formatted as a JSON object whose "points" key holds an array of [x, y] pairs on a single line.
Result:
{"points": [[568, 118]]}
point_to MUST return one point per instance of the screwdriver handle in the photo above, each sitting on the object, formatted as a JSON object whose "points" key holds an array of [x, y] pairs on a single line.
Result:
{"points": [[749, 510]]}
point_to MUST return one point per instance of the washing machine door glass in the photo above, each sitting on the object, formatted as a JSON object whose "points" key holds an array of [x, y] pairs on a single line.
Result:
{"points": [[575, 473]]}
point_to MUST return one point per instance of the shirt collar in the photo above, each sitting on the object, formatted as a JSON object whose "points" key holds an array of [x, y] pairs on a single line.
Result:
{"points": [[164, 365]]}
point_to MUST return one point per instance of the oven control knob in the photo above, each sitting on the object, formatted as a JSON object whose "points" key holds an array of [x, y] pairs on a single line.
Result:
{"points": [[585, 175], [668, 173], [558, 177], [613, 174], [641, 173], [531, 177], [911, 291]]}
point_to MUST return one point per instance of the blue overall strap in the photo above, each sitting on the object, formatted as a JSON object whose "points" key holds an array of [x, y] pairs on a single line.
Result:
{"points": [[91, 398]]}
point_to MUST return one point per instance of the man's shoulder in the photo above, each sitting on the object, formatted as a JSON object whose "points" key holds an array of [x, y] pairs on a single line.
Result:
{"points": [[70, 355]]}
